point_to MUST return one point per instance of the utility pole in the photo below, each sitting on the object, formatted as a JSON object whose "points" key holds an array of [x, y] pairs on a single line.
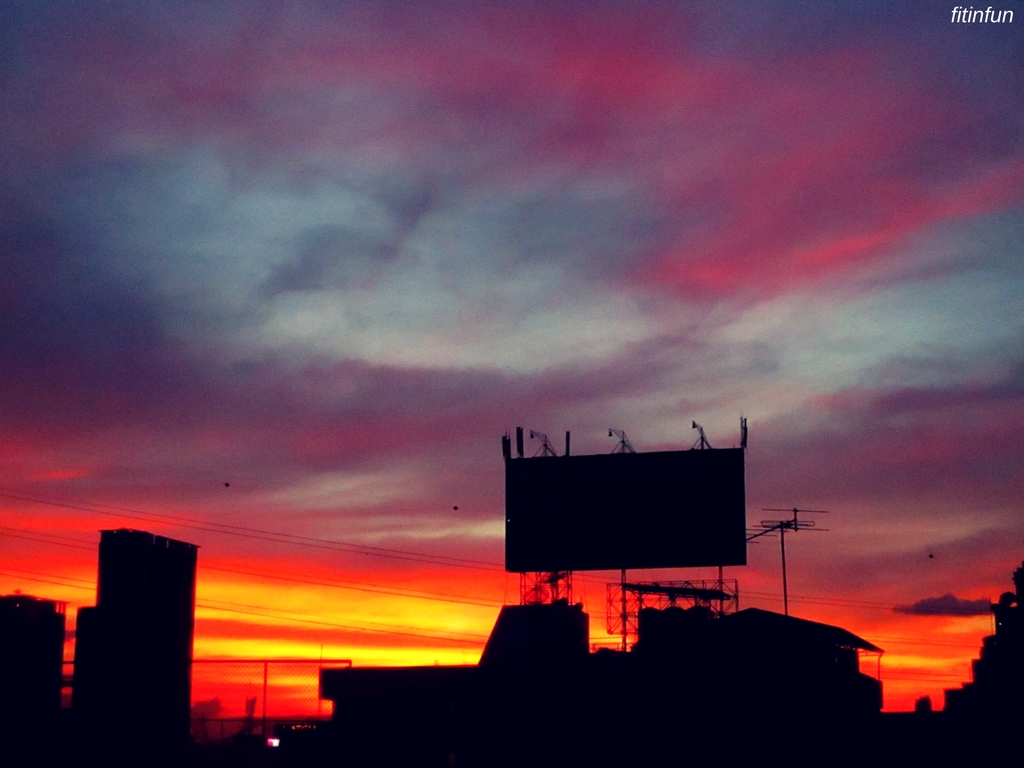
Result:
{"points": [[767, 527]]}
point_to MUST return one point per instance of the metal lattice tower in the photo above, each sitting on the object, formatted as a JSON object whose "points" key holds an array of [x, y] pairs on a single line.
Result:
{"points": [[626, 600]]}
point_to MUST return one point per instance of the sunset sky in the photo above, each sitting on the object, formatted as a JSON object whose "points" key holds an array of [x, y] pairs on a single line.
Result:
{"points": [[276, 277]]}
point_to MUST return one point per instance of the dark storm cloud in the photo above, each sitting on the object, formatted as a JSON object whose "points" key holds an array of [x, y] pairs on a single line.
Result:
{"points": [[946, 605]]}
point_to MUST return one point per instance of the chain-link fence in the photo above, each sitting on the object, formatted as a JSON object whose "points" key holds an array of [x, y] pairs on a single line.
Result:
{"points": [[247, 697], [279, 688]]}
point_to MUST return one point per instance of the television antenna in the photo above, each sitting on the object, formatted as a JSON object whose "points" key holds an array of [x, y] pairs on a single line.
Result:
{"points": [[545, 444], [624, 445], [702, 441], [794, 524]]}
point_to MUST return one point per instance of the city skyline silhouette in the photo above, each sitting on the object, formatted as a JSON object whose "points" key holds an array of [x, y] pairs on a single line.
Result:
{"points": [[276, 277]]}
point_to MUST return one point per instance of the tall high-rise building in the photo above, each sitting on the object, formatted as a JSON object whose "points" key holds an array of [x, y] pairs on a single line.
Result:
{"points": [[31, 661], [133, 654]]}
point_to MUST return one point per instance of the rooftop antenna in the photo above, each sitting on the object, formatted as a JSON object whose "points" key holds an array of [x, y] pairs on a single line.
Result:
{"points": [[624, 445], [743, 432], [545, 444], [794, 524], [702, 441]]}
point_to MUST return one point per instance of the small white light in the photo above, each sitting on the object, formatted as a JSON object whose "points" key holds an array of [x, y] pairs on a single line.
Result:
{"points": [[272, 742]]}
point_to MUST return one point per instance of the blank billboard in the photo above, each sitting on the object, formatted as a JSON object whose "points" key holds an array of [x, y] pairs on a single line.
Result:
{"points": [[666, 509]]}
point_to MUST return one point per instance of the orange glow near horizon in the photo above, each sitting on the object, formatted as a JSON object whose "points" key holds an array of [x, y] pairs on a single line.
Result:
{"points": [[922, 655], [290, 607]]}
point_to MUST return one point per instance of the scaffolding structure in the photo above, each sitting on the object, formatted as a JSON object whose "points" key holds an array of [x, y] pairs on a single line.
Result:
{"points": [[543, 587], [626, 600]]}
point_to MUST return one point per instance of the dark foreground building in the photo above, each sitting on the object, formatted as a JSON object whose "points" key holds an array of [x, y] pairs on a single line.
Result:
{"points": [[539, 696], [133, 655], [31, 662], [996, 690]]}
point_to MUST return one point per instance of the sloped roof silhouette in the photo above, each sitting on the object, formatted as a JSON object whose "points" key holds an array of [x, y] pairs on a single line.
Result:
{"points": [[768, 625]]}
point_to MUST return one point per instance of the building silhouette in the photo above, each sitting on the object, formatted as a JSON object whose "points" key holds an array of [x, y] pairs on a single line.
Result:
{"points": [[538, 689], [540, 633], [133, 653], [696, 675], [996, 690], [31, 661]]}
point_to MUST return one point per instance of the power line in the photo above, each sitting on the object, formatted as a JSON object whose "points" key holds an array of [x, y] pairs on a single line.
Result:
{"points": [[339, 546], [44, 541], [127, 512], [364, 587], [476, 638], [373, 588], [443, 597], [46, 581], [87, 583], [288, 615], [935, 676], [339, 626], [356, 586], [829, 600], [908, 641], [248, 532]]}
